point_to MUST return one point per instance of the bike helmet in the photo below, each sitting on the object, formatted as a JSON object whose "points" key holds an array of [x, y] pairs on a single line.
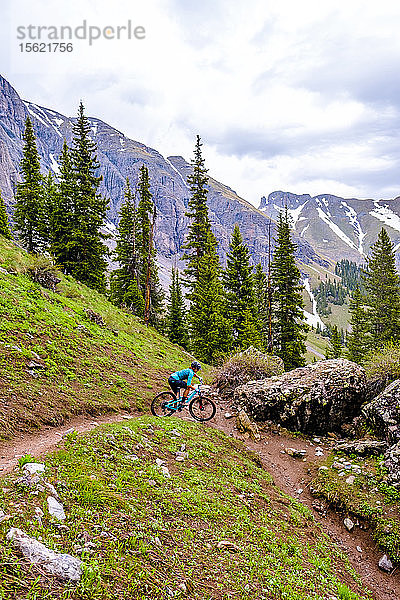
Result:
{"points": [[195, 365]]}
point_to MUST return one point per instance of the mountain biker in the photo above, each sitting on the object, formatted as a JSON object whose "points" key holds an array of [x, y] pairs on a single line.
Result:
{"points": [[183, 379]]}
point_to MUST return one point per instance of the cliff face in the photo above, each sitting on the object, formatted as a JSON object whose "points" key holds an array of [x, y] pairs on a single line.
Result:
{"points": [[121, 157]]}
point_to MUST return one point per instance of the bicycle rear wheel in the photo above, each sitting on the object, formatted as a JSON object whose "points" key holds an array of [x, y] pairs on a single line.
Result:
{"points": [[202, 408], [161, 405]]}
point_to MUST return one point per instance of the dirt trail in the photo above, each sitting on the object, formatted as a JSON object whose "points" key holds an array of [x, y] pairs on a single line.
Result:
{"points": [[290, 475]]}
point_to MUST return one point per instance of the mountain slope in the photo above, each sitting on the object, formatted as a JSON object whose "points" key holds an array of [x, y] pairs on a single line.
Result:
{"points": [[337, 227], [120, 157], [56, 362]]}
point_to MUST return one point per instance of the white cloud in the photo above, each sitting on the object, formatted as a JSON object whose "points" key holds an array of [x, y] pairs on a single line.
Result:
{"points": [[289, 95]]}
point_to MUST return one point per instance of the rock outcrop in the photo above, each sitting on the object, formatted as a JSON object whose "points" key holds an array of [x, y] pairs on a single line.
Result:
{"points": [[392, 463], [383, 413], [318, 398]]}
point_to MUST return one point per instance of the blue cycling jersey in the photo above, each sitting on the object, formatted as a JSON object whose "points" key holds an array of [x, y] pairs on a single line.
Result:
{"points": [[182, 375]]}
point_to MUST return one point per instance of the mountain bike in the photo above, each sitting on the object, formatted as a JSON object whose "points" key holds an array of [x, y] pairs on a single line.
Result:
{"points": [[200, 407]]}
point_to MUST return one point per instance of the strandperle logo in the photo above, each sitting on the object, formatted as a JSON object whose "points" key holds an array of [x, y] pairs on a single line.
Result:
{"points": [[90, 33]]}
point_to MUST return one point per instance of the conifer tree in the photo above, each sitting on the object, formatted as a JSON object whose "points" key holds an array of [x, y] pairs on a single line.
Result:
{"points": [[240, 298], [200, 239], [28, 214], [357, 341], [176, 318], [5, 229], [125, 286], [209, 329], [261, 302], [382, 286], [63, 225], [50, 199], [87, 242], [289, 324], [147, 266], [334, 349]]}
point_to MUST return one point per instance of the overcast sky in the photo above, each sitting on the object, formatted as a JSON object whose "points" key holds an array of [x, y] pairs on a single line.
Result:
{"points": [[286, 95]]}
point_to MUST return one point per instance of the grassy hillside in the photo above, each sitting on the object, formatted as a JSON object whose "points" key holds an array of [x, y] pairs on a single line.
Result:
{"points": [[217, 529], [86, 367]]}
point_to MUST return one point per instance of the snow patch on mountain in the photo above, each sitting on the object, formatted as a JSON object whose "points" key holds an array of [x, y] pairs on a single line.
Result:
{"points": [[295, 213], [336, 230], [54, 164], [312, 318], [177, 172], [386, 215], [354, 222]]}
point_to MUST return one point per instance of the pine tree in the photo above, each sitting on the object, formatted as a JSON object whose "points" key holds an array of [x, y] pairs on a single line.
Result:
{"points": [[62, 244], [125, 287], [28, 214], [50, 199], [200, 239], [87, 242], [147, 266], [382, 286], [357, 340], [176, 318], [334, 349], [5, 229], [289, 324], [261, 302], [209, 329], [239, 291]]}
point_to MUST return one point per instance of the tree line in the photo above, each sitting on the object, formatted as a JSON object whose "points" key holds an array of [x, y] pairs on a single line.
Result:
{"points": [[219, 310]]}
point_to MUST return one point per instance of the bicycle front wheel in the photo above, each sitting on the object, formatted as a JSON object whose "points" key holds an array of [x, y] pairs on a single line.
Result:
{"points": [[161, 405], [202, 408]]}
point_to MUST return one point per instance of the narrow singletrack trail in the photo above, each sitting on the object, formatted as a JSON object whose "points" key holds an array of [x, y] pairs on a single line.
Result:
{"points": [[290, 474]]}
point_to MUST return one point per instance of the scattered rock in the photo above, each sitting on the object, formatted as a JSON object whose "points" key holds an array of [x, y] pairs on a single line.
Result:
{"points": [[244, 425], [385, 564], [33, 365], [64, 566], [348, 523], [68, 432], [33, 468], [359, 549], [56, 509], [350, 480], [94, 317], [228, 415], [320, 397], [227, 545], [295, 453]]}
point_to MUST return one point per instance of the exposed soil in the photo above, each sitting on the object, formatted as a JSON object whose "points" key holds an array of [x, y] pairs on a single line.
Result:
{"points": [[290, 474]]}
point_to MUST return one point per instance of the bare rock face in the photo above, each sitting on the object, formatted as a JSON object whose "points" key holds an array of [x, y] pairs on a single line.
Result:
{"points": [[392, 463], [319, 398], [383, 413], [63, 566]]}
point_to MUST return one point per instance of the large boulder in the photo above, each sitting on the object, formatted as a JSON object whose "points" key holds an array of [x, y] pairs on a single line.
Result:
{"points": [[319, 398], [383, 413]]}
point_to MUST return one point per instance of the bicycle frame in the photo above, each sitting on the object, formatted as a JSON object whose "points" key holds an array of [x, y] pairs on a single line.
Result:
{"points": [[180, 402]]}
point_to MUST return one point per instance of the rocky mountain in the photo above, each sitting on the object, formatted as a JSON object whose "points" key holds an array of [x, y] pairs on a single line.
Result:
{"points": [[121, 157], [337, 227]]}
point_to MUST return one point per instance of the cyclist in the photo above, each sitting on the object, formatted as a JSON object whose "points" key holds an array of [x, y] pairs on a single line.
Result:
{"points": [[183, 379]]}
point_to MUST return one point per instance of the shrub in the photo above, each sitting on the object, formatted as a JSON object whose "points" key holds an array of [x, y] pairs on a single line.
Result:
{"points": [[42, 271], [381, 367], [246, 366]]}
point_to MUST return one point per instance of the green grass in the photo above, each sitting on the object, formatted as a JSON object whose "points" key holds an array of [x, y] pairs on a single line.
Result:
{"points": [[87, 368], [146, 534], [370, 500]]}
